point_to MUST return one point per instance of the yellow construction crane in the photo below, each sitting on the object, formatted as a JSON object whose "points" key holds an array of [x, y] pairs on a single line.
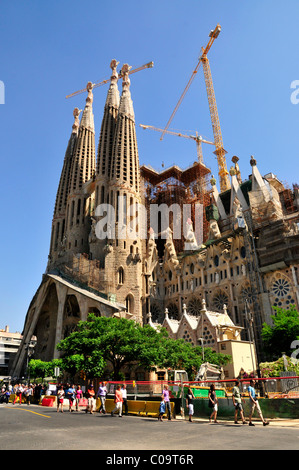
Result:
{"points": [[219, 150], [198, 139], [103, 82]]}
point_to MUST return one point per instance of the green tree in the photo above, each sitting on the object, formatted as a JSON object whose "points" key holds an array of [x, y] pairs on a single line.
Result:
{"points": [[39, 368], [277, 338], [178, 354], [42, 369], [120, 342]]}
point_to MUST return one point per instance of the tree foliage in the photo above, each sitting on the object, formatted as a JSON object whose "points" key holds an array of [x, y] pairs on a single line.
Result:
{"points": [[120, 342], [42, 369], [278, 338], [275, 368]]}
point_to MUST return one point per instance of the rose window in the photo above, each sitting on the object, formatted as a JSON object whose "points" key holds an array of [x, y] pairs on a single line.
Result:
{"points": [[194, 306], [281, 287], [248, 294], [220, 300], [173, 311], [282, 291], [156, 313]]}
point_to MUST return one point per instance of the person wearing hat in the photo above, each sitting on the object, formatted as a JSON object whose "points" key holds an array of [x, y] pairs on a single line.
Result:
{"points": [[90, 398]]}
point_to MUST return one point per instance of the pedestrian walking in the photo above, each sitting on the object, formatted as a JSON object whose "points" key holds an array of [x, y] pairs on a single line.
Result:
{"points": [[90, 398], [79, 396], [7, 395], [237, 401], [166, 398], [71, 395], [60, 398], [125, 398], [189, 403], [162, 410], [3, 395], [254, 404], [118, 400], [213, 403], [19, 394], [28, 394], [102, 392]]}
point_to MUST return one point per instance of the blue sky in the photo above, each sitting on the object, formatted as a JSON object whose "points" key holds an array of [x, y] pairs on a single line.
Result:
{"points": [[50, 49]]}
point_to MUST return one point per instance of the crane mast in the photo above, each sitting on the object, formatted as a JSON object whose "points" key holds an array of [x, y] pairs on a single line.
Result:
{"points": [[219, 150]]}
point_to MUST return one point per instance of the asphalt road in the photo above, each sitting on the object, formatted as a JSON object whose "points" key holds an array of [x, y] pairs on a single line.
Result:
{"points": [[40, 428]]}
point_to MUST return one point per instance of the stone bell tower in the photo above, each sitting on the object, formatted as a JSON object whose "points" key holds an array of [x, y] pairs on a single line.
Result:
{"points": [[124, 244], [104, 158], [58, 234]]}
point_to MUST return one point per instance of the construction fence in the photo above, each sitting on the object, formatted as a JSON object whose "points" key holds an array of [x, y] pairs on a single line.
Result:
{"points": [[278, 397], [272, 387]]}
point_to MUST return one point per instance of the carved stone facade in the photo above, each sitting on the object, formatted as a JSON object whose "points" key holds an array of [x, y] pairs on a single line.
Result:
{"points": [[245, 255], [214, 330]]}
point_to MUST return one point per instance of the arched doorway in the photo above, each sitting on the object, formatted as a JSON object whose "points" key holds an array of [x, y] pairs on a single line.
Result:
{"points": [[71, 315], [45, 330]]}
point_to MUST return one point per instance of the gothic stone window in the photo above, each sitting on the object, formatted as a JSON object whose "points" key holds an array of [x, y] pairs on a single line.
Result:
{"points": [[219, 299], [282, 293], [194, 306], [173, 311], [208, 339], [120, 275], [248, 293]]}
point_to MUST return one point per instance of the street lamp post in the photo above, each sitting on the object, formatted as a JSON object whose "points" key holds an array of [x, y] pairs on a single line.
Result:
{"points": [[29, 347], [249, 319], [202, 349]]}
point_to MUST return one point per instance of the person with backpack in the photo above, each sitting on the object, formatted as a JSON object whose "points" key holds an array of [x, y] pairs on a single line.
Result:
{"points": [[19, 394], [236, 395]]}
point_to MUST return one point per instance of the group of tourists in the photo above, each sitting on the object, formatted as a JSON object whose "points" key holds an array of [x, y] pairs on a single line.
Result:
{"points": [[254, 403], [22, 393], [74, 395], [237, 402]]}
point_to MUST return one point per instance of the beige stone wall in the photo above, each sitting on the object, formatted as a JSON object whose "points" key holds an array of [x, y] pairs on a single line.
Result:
{"points": [[243, 355]]}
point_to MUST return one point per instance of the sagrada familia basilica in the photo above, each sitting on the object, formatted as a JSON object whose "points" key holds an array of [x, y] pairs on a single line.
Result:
{"points": [[214, 285]]}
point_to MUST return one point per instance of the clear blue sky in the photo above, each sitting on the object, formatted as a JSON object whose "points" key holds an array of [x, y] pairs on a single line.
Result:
{"points": [[52, 48]]}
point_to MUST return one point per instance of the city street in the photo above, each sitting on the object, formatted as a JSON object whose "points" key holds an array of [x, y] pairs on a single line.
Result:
{"points": [[41, 428]]}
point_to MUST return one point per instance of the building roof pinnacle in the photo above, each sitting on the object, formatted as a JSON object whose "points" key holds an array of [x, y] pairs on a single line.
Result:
{"points": [[126, 104], [76, 114], [87, 119]]}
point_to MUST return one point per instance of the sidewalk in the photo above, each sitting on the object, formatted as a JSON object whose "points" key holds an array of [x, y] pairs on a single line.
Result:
{"points": [[278, 422]]}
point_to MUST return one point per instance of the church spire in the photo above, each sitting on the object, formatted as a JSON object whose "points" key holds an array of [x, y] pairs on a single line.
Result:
{"points": [[126, 104], [64, 183], [126, 245], [87, 120], [84, 160], [125, 160], [59, 218], [108, 125]]}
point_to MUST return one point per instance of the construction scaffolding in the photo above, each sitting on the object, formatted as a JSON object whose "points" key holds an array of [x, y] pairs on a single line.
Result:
{"points": [[176, 186], [85, 271], [287, 199]]}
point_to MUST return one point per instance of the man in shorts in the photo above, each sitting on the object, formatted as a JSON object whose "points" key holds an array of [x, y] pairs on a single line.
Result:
{"points": [[238, 403]]}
